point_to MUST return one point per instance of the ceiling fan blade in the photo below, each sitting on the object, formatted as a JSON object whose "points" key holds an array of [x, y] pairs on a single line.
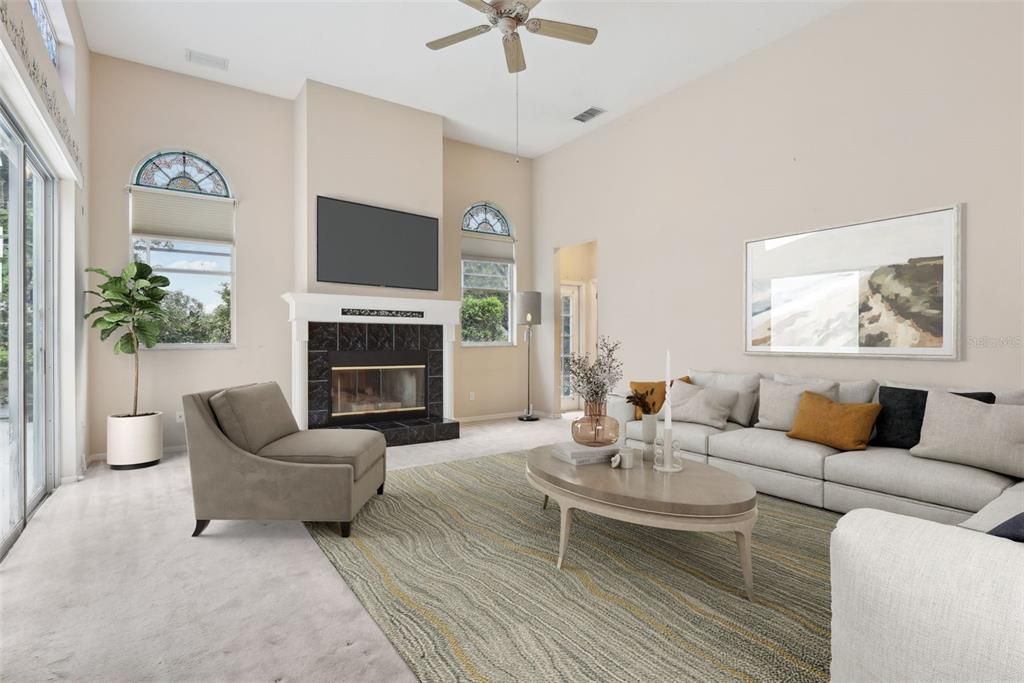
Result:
{"points": [[562, 31], [454, 38], [514, 56], [478, 5], [530, 4]]}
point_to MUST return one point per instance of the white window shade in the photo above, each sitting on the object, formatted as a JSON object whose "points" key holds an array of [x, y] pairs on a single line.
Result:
{"points": [[488, 248], [182, 215]]}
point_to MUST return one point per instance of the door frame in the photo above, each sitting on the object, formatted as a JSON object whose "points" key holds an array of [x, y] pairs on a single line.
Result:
{"points": [[47, 335], [570, 403]]}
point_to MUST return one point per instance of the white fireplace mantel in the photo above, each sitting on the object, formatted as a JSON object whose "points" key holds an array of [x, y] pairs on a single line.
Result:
{"points": [[306, 307]]}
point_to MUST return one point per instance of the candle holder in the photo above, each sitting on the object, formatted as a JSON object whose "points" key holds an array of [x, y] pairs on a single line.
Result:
{"points": [[665, 459]]}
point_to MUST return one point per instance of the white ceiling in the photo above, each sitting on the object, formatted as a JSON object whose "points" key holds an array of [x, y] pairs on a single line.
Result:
{"points": [[644, 49]]}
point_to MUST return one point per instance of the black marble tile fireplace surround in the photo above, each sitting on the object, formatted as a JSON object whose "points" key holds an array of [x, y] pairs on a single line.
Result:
{"points": [[376, 337]]}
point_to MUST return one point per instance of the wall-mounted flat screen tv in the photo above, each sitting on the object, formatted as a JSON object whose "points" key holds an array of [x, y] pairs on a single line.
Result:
{"points": [[366, 245]]}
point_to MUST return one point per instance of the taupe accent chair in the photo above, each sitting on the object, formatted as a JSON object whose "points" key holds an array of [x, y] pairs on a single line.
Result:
{"points": [[250, 460]]}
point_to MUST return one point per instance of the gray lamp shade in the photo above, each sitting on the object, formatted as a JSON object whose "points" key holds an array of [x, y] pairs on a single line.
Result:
{"points": [[529, 308]]}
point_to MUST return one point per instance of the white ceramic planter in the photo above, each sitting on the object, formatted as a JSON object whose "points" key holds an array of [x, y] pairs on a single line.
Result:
{"points": [[134, 442]]}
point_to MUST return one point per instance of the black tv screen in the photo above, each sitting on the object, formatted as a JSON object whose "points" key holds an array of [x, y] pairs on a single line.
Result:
{"points": [[366, 245]]}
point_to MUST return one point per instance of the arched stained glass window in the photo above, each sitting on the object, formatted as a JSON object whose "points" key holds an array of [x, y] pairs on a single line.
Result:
{"points": [[485, 219], [183, 172]]}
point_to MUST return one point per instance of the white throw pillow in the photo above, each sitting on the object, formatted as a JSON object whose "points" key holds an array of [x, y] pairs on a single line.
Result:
{"points": [[780, 402], [968, 432], [850, 391], [745, 385], [702, 405]]}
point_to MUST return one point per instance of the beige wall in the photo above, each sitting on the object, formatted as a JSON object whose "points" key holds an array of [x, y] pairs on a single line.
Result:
{"points": [[137, 110], [496, 376], [877, 110], [371, 151]]}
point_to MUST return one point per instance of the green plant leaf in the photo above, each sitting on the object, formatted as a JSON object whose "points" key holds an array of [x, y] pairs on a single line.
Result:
{"points": [[159, 281], [98, 271], [142, 270], [125, 344], [130, 271]]}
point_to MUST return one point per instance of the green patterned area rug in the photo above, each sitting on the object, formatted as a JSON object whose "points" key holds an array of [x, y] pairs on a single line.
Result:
{"points": [[456, 563]]}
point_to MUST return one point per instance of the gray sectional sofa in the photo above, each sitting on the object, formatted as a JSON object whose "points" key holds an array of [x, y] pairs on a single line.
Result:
{"points": [[888, 479]]}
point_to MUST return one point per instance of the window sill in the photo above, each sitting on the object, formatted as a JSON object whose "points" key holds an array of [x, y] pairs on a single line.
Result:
{"points": [[193, 347]]}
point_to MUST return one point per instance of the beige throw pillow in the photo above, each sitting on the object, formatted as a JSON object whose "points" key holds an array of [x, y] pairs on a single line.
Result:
{"points": [[969, 432], [745, 385], [702, 405], [780, 402]]}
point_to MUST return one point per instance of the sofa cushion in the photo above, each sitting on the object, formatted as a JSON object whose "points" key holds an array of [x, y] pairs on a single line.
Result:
{"points": [[1008, 504], [745, 385], [850, 391], [896, 472], [960, 430], [360, 448], [771, 449], [701, 405], [690, 436], [252, 416], [899, 423], [779, 402], [846, 426]]}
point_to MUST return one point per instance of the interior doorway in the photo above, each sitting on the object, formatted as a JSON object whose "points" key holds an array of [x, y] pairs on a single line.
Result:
{"points": [[576, 314]]}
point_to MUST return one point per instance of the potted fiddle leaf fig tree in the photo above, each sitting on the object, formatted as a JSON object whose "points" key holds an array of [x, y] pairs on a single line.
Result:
{"points": [[130, 311]]}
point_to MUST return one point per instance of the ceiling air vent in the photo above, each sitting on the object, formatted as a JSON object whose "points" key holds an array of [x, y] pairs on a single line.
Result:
{"points": [[203, 59], [589, 114]]}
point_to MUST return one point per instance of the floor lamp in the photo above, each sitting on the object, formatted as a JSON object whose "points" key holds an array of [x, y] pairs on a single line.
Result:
{"points": [[529, 315]]}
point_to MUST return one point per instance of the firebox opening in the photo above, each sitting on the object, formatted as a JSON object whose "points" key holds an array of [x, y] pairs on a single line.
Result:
{"points": [[375, 390]]}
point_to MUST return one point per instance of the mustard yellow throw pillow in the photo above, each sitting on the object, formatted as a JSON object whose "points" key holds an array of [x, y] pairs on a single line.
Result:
{"points": [[846, 426], [657, 398]]}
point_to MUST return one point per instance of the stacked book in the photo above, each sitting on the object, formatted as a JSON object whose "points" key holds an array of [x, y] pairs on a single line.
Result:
{"points": [[575, 454]]}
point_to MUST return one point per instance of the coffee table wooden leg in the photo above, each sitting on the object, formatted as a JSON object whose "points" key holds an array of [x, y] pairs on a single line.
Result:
{"points": [[545, 506], [563, 539], [743, 541]]}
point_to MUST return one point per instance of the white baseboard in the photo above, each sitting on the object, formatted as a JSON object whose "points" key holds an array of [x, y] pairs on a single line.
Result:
{"points": [[505, 416], [488, 418]]}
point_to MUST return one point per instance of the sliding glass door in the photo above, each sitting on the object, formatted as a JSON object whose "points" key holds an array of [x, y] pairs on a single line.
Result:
{"points": [[26, 473]]}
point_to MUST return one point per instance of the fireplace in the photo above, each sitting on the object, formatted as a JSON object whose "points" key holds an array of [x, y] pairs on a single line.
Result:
{"points": [[377, 385]]}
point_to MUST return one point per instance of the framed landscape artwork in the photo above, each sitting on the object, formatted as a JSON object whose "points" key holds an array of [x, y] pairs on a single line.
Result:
{"points": [[883, 288]]}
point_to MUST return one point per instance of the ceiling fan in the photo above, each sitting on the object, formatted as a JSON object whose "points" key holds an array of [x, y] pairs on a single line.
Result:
{"points": [[507, 16]]}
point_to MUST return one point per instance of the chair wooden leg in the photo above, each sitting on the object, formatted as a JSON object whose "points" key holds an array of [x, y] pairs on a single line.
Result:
{"points": [[380, 490], [346, 529], [201, 525]]}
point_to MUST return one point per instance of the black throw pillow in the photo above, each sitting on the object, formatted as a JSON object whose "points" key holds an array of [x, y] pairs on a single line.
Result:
{"points": [[1013, 529], [899, 423]]}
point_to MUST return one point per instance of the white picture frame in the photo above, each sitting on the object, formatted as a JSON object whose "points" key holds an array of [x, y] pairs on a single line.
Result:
{"points": [[885, 288]]}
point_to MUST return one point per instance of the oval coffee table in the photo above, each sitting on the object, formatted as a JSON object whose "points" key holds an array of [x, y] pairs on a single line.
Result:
{"points": [[700, 498]]}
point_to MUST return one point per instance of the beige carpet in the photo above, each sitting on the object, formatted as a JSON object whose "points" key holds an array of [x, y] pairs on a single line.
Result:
{"points": [[456, 565]]}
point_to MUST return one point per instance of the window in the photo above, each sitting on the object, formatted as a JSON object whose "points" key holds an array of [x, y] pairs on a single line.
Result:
{"points": [[486, 302], [183, 220], [485, 219], [45, 26], [182, 171], [199, 303], [488, 277]]}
